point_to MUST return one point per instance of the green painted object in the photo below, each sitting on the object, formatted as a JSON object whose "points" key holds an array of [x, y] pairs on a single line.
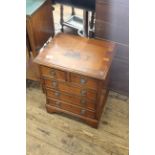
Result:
{"points": [[32, 6]]}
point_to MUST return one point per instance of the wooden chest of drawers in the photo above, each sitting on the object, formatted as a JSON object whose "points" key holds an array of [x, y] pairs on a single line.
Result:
{"points": [[74, 74]]}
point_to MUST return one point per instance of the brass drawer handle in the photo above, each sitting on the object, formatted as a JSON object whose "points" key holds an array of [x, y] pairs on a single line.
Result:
{"points": [[54, 84], [83, 81], [83, 92], [52, 73], [57, 94], [83, 101], [58, 104], [83, 111]]}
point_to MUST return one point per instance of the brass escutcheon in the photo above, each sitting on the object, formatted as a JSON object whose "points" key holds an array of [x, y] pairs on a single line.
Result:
{"points": [[57, 94], [83, 101], [52, 73], [83, 92], [83, 81], [54, 84], [83, 111]]}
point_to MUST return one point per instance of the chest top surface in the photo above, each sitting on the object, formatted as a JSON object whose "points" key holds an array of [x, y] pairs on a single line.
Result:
{"points": [[76, 54], [32, 6]]}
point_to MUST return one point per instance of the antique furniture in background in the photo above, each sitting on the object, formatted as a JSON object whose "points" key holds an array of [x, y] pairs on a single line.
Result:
{"points": [[112, 23], [39, 27], [75, 73], [84, 26]]}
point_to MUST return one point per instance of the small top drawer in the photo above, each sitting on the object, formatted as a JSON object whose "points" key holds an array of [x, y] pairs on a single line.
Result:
{"points": [[53, 73], [84, 81]]}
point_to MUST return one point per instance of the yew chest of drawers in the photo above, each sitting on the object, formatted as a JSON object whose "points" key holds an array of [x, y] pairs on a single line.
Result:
{"points": [[74, 73]]}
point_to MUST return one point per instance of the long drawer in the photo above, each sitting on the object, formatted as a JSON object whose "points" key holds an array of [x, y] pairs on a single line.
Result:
{"points": [[71, 89], [75, 100], [68, 107]]}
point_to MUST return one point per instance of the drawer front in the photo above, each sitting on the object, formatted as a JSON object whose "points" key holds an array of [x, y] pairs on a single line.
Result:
{"points": [[82, 102], [84, 81], [53, 73], [68, 88], [71, 108]]}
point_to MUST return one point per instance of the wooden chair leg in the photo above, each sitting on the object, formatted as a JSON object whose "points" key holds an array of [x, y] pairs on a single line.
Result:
{"points": [[73, 11], [61, 17], [91, 24], [85, 23]]}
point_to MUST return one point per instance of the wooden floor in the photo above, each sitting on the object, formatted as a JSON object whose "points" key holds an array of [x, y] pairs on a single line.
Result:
{"points": [[56, 134]]}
